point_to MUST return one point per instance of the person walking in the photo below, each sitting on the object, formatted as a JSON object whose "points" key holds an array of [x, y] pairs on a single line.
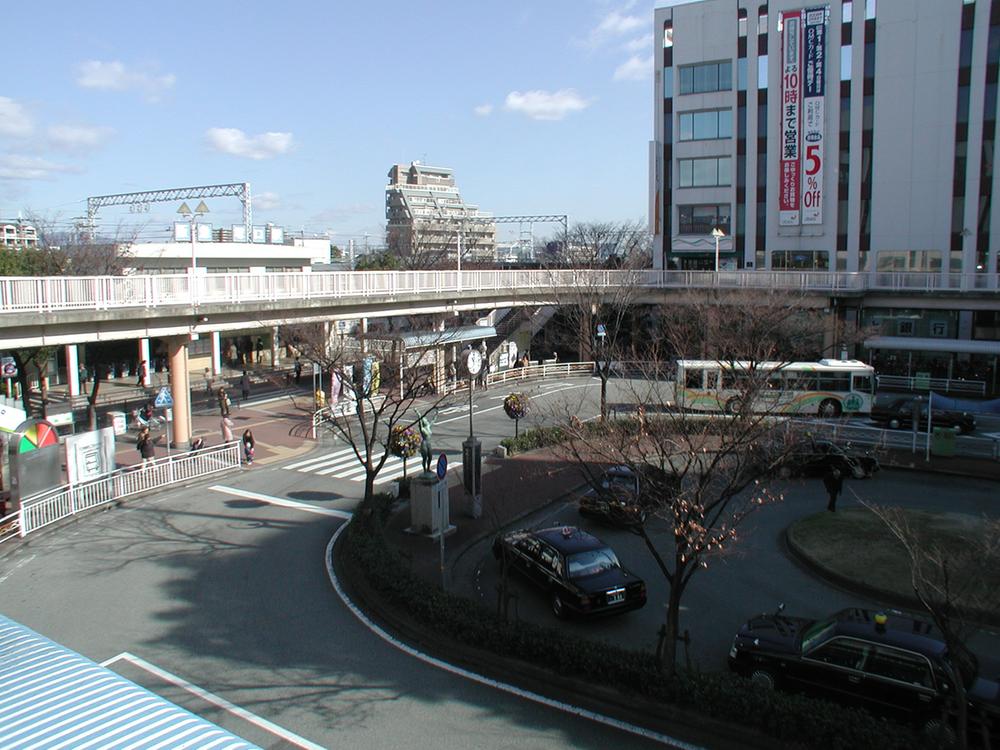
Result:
{"points": [[227, 430], [223, 403], [141, 374], [248, 447], [298, 370], [833, 480], [197, 444], [245, 386], [144, 442]]}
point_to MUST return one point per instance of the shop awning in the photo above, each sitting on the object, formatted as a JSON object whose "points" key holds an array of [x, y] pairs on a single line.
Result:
{"points": [[447, 337], [956, 346]]}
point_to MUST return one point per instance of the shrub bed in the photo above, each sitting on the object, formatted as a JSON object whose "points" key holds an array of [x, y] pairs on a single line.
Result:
{"points": [[792, 719]]}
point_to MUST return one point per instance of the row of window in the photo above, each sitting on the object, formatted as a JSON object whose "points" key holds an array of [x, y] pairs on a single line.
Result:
{"points": [[715, 171], [709, 124]]}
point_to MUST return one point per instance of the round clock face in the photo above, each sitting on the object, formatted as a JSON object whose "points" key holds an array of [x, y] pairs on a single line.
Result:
{"points": [[473, 361]]}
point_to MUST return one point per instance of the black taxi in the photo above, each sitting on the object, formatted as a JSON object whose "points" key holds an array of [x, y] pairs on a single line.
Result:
{"points": [[579, 573]]}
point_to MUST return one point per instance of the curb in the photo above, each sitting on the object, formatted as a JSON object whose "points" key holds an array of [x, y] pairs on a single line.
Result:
{"points": [[851, 585], [642, 712]]}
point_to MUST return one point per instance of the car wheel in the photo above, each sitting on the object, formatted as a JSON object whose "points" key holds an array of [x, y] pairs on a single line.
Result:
{"points": [[829, 409], [941, 732], [558, 608], [733, 406], [762, 679]]}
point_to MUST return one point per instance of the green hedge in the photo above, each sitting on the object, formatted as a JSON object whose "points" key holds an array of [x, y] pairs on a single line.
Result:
{"points": [[793, 719]]}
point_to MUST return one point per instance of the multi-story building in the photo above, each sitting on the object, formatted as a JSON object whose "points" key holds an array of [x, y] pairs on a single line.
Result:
{"points": [[846, 135], [426, 217], [843, 135], [17, 233]]}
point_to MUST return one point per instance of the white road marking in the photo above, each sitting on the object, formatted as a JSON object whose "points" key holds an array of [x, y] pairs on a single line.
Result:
{"points": [[496, 684], [282, 502], [20, 564], [215, 700], [494, 408]]}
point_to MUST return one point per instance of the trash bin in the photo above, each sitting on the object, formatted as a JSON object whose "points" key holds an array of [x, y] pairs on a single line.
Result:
{"points": [[116, 419], [943, 442]]}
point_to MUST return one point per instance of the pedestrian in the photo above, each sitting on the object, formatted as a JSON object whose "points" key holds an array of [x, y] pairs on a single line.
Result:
{"points": [[245, 386], [227, 430], [224, 402], [144, 443], [833, 480], [484, 374], [197, 444], [452, 373], [260, 348], [298, 370], [208, 383], [141, 374], [248, 447]]}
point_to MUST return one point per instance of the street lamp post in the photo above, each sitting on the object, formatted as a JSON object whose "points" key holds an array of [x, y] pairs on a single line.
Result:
{"points": [[192, 217], [718, 234]]}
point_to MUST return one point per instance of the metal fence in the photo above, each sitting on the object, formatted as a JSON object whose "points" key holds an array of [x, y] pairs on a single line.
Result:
{"points": [[56, 293], [941, 385], [38, 511], [905, 440], [538, 372]]}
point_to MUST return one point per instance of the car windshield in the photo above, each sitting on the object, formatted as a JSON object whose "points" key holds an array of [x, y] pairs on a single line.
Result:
{"points": [[592, 561], [816, 633]]}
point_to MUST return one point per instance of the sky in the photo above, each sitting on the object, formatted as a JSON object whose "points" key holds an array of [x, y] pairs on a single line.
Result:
{"points": [[540, 107]]}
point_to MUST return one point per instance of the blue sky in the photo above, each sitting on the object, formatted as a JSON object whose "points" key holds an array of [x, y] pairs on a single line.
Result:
{"points": [[540, 106]]}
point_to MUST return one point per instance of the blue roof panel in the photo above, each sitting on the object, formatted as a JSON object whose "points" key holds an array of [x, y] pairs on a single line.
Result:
{"points": [[53, 698]]}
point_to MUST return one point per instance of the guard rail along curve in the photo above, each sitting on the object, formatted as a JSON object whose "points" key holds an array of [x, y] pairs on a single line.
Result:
{"points": [[43, 509], [55, 293]]}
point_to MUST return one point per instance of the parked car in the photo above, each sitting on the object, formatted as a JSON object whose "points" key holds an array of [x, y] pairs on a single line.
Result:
{"points": [[892, 665], [815, 457], [622, 494], [579, 573], [896, 411]]}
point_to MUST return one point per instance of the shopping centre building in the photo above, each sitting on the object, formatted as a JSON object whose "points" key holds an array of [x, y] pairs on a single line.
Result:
{"points": [[840, 136]]}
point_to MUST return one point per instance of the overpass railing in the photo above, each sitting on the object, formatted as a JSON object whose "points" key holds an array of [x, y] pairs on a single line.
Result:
{"points": [[43, 509], [56, 293]]}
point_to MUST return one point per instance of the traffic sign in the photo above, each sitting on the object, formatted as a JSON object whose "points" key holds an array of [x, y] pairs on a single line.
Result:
{"points": [[163, 399], [442, 466]]}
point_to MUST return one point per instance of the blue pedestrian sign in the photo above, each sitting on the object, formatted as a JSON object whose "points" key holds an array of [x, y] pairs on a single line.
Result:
{"points": [[442, 466], [163, 398]]}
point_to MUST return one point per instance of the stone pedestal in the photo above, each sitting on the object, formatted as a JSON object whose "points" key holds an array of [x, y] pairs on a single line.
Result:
{"points": [[429, 513]]}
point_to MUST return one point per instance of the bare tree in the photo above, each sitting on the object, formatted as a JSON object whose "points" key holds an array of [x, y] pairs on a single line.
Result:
{"points": [[950, 582], [379, 397], [701, 477], [597, 318]]}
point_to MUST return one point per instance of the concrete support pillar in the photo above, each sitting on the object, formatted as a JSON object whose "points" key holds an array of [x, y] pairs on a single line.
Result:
{"points": [[830, 342], [364, 340], [180, 389], [147, 378], [328, 340], [440, 369], [216, 353], [274, 346], [72, 370]]}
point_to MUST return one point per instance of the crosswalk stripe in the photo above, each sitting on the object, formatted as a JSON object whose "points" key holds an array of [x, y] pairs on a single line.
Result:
{"points": [[319, 459], [335, 465], [346, 465]]}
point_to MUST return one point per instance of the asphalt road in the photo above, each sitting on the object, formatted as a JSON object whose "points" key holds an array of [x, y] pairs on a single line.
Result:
{"points": [[754, 577]]}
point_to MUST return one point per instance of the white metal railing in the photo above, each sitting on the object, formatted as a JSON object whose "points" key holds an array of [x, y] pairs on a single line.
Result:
{"points": [[537, 372], [951, 385], [968, 447], [58, 293], [46, 508]]}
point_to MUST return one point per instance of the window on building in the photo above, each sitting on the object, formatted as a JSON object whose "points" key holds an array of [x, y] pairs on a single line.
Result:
{"points": [[706, 77], [703, 219], [845, 62], [668, 37], [805, 260], [847, 12], [711, 172], [668, 83], [762, 21], [709, 124], [762, 72], [741, 74], [869, 10], [741, 23]]}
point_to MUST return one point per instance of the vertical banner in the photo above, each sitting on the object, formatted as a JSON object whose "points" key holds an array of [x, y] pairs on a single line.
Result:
{"points": [[813, 116], [791, 95]]}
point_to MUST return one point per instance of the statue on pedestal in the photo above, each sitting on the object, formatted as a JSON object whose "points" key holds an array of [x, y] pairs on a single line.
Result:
{"points": [[426, 429]]}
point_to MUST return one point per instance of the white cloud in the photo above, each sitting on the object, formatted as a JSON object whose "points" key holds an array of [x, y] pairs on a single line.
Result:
{"points": [[266, 201], [613, 25], [261, 146], [16, 167], [545, 105], [639, 44], [14, 120], [77, 137], [635, 69], [483, 110], [114, 76]]}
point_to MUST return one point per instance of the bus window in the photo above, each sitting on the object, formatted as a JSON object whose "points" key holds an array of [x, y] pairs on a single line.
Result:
{"points": [[712, 380], [692, 378], [834, 381], [863, 383], [801, 381]]}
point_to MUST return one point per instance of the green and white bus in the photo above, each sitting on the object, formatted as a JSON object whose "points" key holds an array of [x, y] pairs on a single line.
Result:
{"points": [[827, 388]]}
